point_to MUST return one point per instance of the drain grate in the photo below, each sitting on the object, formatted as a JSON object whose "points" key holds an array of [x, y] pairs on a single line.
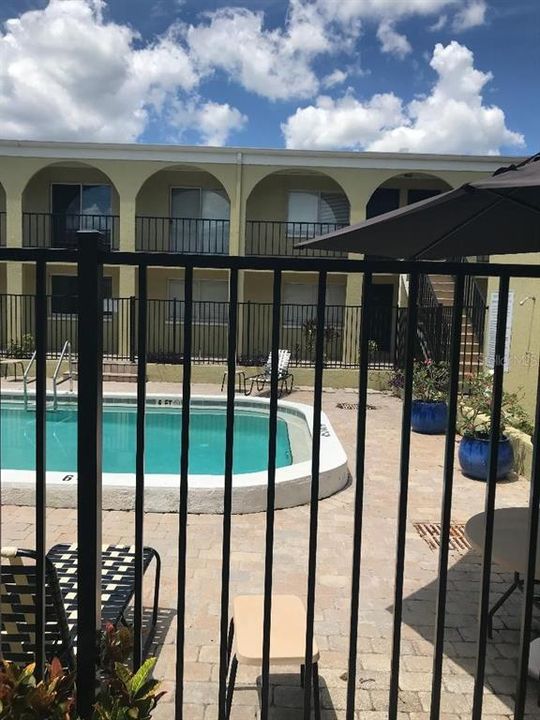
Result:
{"points": [[431, 533], [352, 406]]}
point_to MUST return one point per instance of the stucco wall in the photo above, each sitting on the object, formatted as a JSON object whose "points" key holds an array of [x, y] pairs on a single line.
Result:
{"points": [[522, 375]]}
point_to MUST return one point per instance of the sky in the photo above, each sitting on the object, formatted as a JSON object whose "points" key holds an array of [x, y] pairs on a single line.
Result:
{"points": [[443, 76]]}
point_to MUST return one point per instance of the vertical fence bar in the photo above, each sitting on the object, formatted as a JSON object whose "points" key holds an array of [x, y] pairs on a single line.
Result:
{"points": [[270, 496], [446, 510], [89, 465], [40, 303], [227, 493], [498, 373], [359, 492], [139, 466], [183, 506], [412, 315], [528, 593], [314, 500]]}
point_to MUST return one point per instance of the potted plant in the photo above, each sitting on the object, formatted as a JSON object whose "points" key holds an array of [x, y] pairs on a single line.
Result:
{"points": [[475, 428], [429, 413]]}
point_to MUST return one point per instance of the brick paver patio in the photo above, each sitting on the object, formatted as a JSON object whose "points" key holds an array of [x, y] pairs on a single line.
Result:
{"points": [[333, 586]]}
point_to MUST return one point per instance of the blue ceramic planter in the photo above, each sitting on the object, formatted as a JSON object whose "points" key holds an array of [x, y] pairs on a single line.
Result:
{"points": [[429, 418], [474, 458]]}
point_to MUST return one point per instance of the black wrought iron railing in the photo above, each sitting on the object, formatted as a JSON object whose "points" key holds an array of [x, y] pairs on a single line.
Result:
{"points": [[437, 609], [166, 320], [188, 235], [278, 238], [59, 230]]}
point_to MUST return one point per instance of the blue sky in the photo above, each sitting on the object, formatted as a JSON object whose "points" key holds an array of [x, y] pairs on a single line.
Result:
{"points": [[408, 75]]}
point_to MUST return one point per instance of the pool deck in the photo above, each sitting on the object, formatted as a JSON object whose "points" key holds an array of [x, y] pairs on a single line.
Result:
{"points": [[333, 586]]}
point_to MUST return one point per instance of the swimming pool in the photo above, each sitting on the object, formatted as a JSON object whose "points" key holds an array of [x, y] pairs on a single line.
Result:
{"points": [[162, 456], [163, 439]]}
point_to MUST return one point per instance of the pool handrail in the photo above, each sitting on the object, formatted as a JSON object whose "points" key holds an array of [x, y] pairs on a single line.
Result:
{"points": [[66, 348], [25, 378]]}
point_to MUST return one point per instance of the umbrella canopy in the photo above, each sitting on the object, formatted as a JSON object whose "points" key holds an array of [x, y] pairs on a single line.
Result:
{"points": [[498, 215]]}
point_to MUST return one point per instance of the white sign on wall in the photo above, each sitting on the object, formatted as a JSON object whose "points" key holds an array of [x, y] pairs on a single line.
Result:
{"points": [[492, 330]]}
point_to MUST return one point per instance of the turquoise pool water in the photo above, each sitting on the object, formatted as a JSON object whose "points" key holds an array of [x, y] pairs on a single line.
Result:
{"points": [[207, 440]]}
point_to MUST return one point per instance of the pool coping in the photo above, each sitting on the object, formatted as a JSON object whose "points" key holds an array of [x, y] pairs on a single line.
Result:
{"points": [[162, 491]]}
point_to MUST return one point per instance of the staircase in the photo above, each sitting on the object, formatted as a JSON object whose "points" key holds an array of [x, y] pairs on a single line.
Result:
{"points": [[115, 371], [437, 293]]}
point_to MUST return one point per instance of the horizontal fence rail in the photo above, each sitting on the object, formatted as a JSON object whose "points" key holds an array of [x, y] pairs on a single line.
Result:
{"points": [[278, 238], [187, 235], [274, 544], [165, 320], [59, 230]]}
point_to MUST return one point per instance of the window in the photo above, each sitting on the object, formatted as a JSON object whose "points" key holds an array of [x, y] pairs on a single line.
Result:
{"points": [[326, 208], [79, 207], [65, 290], [300, 301], [201, 220], [210, 300]]}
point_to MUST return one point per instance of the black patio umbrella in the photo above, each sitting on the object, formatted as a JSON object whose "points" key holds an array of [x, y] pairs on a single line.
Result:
{"points": [[498, 215]]}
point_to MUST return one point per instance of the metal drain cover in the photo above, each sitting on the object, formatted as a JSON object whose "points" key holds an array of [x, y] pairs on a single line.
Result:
{"points": [[431, 533]]}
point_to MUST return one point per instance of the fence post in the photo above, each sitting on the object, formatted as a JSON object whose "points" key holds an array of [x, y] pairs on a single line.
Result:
{"points": [[89, 465], [132, 326]]}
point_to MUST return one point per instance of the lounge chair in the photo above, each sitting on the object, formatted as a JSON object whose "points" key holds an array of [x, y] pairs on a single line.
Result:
{"points": [[285, 378], [18, 592], [287, 640]]}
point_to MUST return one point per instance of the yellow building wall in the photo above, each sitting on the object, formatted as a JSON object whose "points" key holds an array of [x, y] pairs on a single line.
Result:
{"points": [[522, 375]]}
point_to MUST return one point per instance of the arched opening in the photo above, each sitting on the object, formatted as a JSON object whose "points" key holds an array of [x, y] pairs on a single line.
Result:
{"points": [[62, 198], [283, 209], [289, 206], [183, 208], [404, 189]]}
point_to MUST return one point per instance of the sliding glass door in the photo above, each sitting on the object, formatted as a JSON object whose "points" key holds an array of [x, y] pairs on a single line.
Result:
{"points": [[79, 207]]}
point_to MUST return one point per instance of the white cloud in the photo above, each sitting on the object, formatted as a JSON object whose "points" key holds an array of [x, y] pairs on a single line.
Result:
{"points": [[273, 63], [471, 15], [441, 22], [451, 119], [67, 74], [214, 121], [337, 77], [343, 123], [391, 41]]}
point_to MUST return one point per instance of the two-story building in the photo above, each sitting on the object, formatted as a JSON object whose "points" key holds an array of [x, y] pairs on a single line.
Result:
{"points": [[208, 201]]}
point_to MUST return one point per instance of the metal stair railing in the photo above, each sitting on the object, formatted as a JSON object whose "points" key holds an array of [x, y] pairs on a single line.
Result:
{"points": [[66, 348], [26, 381]]}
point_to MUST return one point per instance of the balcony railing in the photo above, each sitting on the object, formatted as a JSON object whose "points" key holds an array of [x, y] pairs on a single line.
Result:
{"points": [[277, 238], [2, 229], [187, 235], [59, 230]]}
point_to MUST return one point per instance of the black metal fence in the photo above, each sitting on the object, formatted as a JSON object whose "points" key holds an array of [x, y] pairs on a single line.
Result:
{"points": [[166, 321], [278, 238], [187, 235], [90, 261], [59, 230]]}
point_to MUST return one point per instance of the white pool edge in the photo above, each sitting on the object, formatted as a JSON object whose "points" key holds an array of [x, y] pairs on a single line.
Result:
{"points": [[162, 492]]}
